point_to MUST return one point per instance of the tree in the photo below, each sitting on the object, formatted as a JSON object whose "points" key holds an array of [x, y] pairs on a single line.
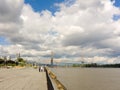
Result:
{"points": [[20, 60]]}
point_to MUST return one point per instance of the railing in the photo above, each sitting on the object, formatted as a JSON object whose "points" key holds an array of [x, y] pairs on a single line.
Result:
{"points": [[59, 85]]}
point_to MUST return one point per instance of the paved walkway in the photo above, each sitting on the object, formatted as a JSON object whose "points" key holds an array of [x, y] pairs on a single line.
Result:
{"points": [[22, 79]]}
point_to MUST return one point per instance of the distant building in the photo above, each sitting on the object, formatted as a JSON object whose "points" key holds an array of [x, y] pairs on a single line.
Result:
{"points": [[18, 55], [8, 57]]}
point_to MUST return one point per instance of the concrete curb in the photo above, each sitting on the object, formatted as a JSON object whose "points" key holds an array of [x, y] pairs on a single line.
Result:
{"points": [[53, 77]]}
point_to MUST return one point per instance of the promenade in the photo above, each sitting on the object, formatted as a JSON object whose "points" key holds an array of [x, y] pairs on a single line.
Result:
{"points": [[22, 79]]}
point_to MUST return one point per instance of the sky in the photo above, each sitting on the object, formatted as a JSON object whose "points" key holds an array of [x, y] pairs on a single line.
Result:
{"points": [[74, 30], [39, 5]]}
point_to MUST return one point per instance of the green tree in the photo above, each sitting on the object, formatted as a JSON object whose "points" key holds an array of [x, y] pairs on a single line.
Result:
{"points": [[20, 60]]}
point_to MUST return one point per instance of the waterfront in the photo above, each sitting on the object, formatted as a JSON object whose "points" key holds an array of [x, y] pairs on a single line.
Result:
{"points": [[89, 78]]}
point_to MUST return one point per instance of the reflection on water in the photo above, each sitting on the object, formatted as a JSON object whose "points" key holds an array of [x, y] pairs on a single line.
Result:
{"points": [[89, 78]]}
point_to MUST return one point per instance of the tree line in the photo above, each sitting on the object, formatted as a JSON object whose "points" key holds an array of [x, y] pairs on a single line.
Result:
{"points": [[95, 65], [18, 62]]}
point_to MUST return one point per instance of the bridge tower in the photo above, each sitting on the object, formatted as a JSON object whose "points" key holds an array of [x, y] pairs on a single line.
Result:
{"points": [[51, 58]]}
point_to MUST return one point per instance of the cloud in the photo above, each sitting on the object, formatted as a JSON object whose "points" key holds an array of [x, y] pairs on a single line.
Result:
{"points": [[95, 24], [10, 21], [10, 10], [77, 29]]}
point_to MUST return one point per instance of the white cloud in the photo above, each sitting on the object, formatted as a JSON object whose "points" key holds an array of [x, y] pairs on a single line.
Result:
{"points": [[78, 29]]}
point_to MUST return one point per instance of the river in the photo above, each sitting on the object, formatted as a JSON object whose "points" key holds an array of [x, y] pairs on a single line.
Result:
{"points": [[89, 78]]}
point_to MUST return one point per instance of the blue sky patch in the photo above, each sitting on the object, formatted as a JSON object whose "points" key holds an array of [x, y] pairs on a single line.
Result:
{"points": [[117, 3], [116, 17], [39, 5], [3, 41]]}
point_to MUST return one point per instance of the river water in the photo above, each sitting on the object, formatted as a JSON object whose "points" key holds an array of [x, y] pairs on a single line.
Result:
{"points": [[89, 78]]}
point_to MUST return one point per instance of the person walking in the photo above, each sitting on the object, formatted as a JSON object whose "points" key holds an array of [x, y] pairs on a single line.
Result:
{"points": [[39, 68], [42, 69]]}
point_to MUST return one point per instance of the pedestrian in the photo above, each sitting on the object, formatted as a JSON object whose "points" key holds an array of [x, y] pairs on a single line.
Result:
{"points": [[39, 68], [42, 69]]}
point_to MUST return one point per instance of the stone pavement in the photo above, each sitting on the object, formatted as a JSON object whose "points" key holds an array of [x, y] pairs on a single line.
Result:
{"points": [[22, 79]]}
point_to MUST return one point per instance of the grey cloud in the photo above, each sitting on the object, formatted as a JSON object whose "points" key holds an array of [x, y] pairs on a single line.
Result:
{"points": [[10, 10], [32, 46], [28, 43], [85, 39], [10, 20]]}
